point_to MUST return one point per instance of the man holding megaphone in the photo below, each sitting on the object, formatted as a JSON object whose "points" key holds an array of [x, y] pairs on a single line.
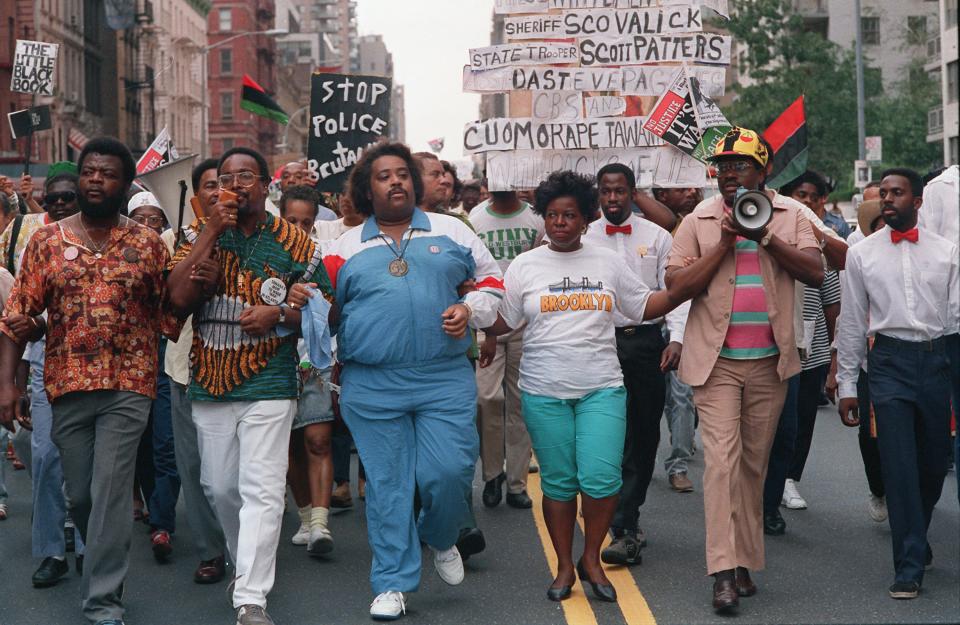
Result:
{"points": [[748, 247]]}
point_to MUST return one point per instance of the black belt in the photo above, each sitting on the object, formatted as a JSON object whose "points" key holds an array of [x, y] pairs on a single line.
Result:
{"points": [[633, 330], [935, 345]]}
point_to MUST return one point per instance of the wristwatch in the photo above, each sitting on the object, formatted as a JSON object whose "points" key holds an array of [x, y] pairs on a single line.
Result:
{"points": [[283, 315], [765, 241]]}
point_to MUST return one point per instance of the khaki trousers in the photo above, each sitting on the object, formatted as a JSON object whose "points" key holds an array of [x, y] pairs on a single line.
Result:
{"points": [[739, 407], [503, 434]]}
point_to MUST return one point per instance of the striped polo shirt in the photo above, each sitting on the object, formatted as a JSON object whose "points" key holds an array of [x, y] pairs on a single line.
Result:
{"points": [[750, 335]]}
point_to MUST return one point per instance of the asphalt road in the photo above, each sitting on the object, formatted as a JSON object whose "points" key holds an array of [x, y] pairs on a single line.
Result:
{"points": [[833, 566]]}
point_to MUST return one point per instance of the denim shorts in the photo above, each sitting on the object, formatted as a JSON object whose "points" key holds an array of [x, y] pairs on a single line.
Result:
{"points": [[315, 404]]}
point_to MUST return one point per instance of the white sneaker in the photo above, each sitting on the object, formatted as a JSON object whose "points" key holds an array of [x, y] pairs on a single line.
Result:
{"points": [[321, 542], [449, 565], [388, 606], [878, 508], [791, 497], [302, 537]]}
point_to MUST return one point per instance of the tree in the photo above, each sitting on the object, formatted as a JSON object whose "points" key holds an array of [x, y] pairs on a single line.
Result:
{"points": [[784, 60]]}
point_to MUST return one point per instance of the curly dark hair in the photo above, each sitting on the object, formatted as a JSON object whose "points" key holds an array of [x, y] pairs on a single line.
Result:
{"points": [[581, 188], [807, 177], [359, 183], [303, 193]]}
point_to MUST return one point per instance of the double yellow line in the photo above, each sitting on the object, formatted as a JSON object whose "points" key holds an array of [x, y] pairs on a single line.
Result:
{"points": [[576, 609]]}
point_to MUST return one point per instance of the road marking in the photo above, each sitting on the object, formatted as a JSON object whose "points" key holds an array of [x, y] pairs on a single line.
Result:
{"points": [[629, 598], [576, 609]]}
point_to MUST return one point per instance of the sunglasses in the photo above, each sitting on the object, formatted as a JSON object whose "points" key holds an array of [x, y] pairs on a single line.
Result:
{"points": [[65, 196]]}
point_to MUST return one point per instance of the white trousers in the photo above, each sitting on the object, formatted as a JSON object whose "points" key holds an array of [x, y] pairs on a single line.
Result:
{"points": [[243, 467]]}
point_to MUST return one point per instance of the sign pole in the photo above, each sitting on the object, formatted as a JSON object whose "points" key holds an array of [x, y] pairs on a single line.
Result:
{"points": [[26, 162]]}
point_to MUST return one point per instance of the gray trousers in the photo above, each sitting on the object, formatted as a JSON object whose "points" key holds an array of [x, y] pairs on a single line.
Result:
{"points": [[97, 433], [207, 534]]}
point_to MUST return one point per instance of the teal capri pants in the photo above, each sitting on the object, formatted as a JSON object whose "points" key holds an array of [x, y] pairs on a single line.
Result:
{"points": [[579, 442]]}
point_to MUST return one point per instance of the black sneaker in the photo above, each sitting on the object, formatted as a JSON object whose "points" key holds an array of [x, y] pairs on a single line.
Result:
{"points": [[773, 524], [905, 590], [470, 542], [49, 572], [70, 539]]}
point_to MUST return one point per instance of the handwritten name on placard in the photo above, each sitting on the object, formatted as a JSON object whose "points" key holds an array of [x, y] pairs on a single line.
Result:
{"points": [[528, 134], [542, 79], [605, 22], [700, 47]]}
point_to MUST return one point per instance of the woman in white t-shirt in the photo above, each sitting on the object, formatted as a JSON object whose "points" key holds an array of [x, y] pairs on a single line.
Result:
{"points": [[574, 403]]}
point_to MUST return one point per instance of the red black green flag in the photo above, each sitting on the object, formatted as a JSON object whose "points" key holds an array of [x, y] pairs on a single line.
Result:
{"points": [[787, 136], [256, 100]]}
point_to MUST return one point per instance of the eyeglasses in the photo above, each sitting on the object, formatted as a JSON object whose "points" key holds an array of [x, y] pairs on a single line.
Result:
{"points": [[244, 179], [735, 166], [149, 220], [64, 196]]}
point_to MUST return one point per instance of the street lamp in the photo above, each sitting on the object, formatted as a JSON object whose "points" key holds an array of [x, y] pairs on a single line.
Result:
{"points": [[204, 52]]}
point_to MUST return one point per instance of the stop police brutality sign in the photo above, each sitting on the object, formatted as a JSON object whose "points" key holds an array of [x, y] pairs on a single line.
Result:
{"points": [[34, 67]]}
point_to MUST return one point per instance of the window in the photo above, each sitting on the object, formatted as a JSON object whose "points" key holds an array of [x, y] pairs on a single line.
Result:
{"points": [[227, 145], [871, 30], [954, 146], [951, 11], [225, 18], [226, 106], [916, 29], [226, 61], [953, 82]]}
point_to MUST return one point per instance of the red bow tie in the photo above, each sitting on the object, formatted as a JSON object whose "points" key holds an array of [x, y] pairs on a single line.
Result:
{"points": [[911, 235], [611, 229]]}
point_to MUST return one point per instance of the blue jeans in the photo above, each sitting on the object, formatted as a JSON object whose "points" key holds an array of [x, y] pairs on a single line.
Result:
{"points": [[166, 491], [681, 419]]}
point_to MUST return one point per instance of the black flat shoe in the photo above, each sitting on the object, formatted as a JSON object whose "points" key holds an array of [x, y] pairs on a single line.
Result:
{"points": [[773, 524], [603, 592], [470, 542], [558, 593], [493, 491], [49, 572], [519, 500]]}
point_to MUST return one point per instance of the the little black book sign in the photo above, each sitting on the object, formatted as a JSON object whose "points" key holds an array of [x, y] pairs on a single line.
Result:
{"points": [[34, 67]]}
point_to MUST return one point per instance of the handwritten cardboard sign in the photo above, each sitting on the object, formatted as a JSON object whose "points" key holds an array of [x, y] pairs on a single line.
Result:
{"points": [[605, 22], [34, 67], [347, 114], [639, 49], [528, 134], [540, 53]]}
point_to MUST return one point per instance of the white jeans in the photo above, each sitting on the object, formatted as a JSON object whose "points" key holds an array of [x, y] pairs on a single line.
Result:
{"points": [[243, 467]]}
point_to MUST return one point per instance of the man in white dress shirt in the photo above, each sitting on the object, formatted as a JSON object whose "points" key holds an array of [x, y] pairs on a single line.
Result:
{"points": [[643, 353], [906, 280], [941, 214]]}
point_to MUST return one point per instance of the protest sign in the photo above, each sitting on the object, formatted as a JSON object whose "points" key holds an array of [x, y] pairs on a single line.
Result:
{"points": [[34, 67], [638, 49], [687, 119], [653, 167], [652, 80], [542, 79], [28, 121], [527, 134], [520, 6], [347, 114], [712, 122], [557, 105], [161, 151], [604, 106], [605, 22], [523, 54]]}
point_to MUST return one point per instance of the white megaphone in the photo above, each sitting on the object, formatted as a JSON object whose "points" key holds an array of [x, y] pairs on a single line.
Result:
{"points": [[171, 184], [752, 210]]}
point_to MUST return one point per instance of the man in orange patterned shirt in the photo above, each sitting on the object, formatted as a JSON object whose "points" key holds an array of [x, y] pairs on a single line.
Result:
{"points": [[100, 277]]}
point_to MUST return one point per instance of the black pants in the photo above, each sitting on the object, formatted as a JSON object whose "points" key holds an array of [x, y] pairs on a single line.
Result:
{"points": [[781, 454], [639, 350], [869, 450], [808, 397], [910, 389]]}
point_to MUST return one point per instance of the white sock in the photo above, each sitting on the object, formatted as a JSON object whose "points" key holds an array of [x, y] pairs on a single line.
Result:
{"points": [[304, 513], [318, 517]]}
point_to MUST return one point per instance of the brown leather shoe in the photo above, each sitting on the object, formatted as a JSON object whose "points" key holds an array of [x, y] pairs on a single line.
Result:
{"points": [[745, 585], [725, 597], [210, 571], [681, 483]]}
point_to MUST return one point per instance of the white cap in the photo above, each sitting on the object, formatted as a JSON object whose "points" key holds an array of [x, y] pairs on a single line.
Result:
{"points": [[144, 198]]}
